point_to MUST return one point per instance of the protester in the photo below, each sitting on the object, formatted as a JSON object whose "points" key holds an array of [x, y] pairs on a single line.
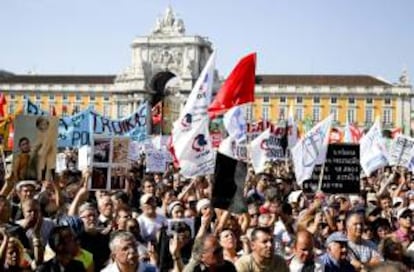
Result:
{"points": [[125, 255], [63, 243], [165, 221], [262, 257], [335, 258]]}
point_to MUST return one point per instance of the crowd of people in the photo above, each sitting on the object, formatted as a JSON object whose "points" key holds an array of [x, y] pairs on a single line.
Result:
{"points": [[164, 222]]}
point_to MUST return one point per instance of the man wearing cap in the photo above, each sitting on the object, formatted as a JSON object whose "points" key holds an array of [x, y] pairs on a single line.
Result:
{"points": [[404, 234], [335, 258], [149, 221], [25, 190]]}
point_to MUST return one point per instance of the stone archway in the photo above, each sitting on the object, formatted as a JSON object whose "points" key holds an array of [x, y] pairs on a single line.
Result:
{"points": [[158, 84]]}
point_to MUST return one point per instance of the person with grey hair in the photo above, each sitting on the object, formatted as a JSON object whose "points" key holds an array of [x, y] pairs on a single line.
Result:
{"points": [[124, 255], [362, 253], [335, 258]]}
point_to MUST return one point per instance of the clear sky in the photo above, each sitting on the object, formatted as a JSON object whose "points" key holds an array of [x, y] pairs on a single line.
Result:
{"points": [[373, 37]]}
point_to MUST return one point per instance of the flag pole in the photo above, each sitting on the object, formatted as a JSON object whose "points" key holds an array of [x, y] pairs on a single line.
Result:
{"points": [[161, 121], [3, 158], [321, 178]]}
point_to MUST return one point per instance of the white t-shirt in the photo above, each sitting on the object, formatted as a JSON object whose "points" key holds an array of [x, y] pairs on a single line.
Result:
{"points": [[150, 226]]}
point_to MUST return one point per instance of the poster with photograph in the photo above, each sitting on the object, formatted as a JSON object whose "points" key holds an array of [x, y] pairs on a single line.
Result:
{"points": [[120, 148], [35, 147], [110, 162], [118, 177], [99, 179], [101, 150]]}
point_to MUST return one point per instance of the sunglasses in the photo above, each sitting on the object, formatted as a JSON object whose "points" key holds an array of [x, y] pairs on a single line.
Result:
{"points": [[254, 214]]}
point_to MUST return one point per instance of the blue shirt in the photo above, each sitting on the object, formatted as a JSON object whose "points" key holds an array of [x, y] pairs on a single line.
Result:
{"points": [[332, 265]]}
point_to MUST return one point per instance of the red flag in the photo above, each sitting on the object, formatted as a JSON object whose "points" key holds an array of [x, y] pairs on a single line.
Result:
{"points": [[238, 88], [156, 113], [3, 102], [53, 110], [170, 148]]}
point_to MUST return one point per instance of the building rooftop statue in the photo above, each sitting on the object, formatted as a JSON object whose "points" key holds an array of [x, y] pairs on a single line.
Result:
{"points": [[169, 25], [404, 79]]}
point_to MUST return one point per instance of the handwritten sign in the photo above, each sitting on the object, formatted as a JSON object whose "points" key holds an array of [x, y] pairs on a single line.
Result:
{"points": [[401, 151], [77, 130], [156, 161], [341, 173]]}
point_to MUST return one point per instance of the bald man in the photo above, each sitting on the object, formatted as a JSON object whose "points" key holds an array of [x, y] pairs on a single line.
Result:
{"points": [[303, 258]]}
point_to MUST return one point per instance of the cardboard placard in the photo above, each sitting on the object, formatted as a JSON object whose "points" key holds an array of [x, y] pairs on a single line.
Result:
{"points": [[156, 161], [110, 162], [35, 147], [401, 151], [342, 171]]}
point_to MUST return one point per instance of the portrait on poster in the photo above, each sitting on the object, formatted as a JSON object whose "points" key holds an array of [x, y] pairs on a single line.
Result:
{"points": [[35, 148], [120, 148], [101, 150], [118, 177], [99, 179]]}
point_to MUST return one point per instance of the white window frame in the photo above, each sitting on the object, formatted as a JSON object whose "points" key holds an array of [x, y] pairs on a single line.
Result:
{"points": [[316, 114], [351, 115], [387, 116], [299, 113], [369, 118]]}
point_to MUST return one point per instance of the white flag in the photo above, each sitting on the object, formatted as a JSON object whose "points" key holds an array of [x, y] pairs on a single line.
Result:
{"points": [[311, 150], [235, 123], [194, 151], [266, 147], [373, 152], [195, 109], [292, 129], [233, 149]]}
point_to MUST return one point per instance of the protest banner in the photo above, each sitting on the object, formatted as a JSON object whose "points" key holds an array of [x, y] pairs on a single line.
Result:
{"points": [[78, 129], [134, 151], [233, 149], [36, 147], [341, 171], [156, 161], [401, 151], [266, 147]]}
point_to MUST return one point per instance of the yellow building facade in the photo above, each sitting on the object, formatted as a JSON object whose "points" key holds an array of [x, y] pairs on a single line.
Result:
{"points": [[166, 63], [357, 99]]}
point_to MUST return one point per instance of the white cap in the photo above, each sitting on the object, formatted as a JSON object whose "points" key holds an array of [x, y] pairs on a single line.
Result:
{"points": [[202, 203], [25, 183], [294, 196]]}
